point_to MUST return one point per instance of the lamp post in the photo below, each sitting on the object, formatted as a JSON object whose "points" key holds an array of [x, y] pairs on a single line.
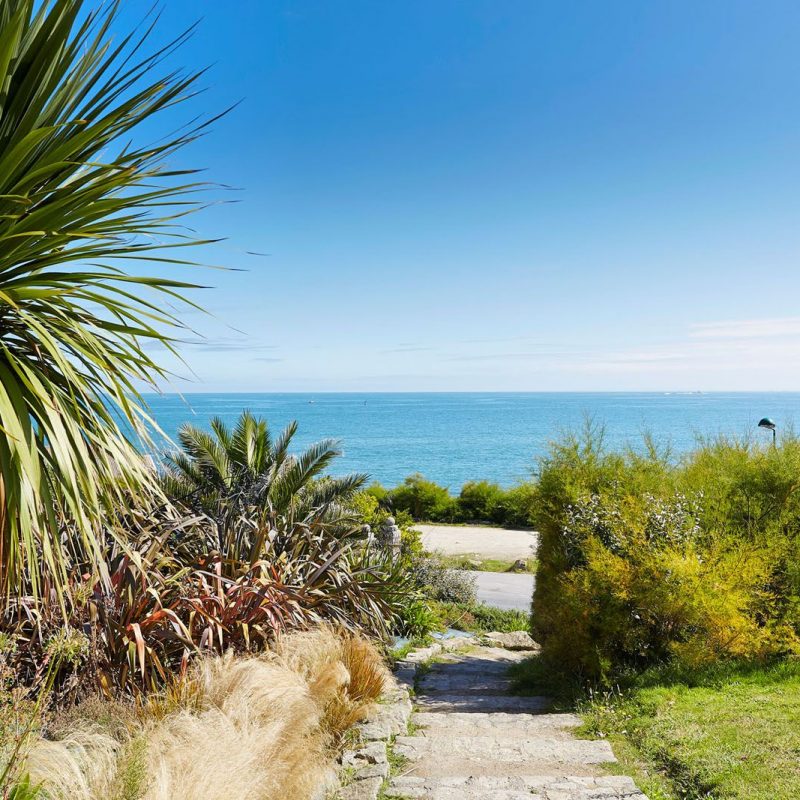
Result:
{"points": [[767, 423]]}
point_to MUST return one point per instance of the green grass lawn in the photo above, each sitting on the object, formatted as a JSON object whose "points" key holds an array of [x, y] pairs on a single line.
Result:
{"points": [[726, 733], [486, 564], [480, 618], [731, 732]]}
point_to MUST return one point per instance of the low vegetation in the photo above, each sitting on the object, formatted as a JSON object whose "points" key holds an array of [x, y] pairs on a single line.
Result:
{"points": [[668, 609], [478, 501], [480, 564], [645, 560], [266, 725], [728, 731], [480, 618]]}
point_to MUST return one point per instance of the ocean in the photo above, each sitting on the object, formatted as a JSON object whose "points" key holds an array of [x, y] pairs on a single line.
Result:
{"points": [[453, 438]]}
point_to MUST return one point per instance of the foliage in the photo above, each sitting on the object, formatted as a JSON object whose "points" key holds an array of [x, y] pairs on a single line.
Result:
{"points": [[422, 499], [224, 473], [643, 560], [481, 500], [162, 610], [443, 583], [417, 618], [478, 501], [79, 200], [271, 724], [480, 618], [186, 583], [21, 716]]}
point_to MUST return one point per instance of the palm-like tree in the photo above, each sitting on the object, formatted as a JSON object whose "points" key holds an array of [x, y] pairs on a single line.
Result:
{"points": [[79, 200], [245, 472]]}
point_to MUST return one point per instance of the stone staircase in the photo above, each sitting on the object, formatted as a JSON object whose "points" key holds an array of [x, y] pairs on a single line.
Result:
{"points": [[473, 741]]}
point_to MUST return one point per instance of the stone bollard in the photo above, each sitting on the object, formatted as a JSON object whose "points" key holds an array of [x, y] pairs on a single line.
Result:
{"points": [[390, 537]]}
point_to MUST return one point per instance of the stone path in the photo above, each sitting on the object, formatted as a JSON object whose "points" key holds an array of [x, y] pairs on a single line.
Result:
{"points": [[474, 741]]}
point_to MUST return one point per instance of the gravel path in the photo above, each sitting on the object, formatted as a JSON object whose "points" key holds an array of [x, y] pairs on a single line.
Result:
{"points": [[479, 540], [476, 742]]}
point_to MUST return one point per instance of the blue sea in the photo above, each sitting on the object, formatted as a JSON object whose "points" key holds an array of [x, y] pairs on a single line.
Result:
{"points": [[453, 438]]}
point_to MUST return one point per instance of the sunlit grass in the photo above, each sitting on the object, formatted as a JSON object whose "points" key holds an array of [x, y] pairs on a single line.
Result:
{"points": [[730, 732], [487, 564]]}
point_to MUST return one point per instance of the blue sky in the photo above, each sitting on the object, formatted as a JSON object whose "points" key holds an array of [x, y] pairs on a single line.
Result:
{"points": [[499, 195]]}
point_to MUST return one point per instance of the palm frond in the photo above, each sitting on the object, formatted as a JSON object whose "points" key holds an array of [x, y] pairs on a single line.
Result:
{"points": [[209, 455], [80, 199]]}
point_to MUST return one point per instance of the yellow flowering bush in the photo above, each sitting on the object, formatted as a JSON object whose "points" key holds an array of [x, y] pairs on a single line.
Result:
{"points": [[644, 560]]}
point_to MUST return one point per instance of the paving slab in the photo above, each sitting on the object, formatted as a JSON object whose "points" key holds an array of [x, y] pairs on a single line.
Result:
{"points": [[523, 787], [500, 725], [558, 751], [466, 703]]}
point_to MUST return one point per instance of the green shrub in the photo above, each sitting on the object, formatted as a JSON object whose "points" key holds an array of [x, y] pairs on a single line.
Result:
{"points": [[481, 501], [480, 618], [515, 506], [423, 500], [643, 560], [417, 618], [444, 583]]}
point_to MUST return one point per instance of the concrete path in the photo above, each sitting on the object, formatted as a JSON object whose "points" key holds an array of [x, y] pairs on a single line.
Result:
{"points": [[508, 590], [479, 540], [476, 742]]}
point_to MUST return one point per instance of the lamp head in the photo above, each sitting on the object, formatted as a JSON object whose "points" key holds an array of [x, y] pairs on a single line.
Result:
{"points": [[766, 422]]}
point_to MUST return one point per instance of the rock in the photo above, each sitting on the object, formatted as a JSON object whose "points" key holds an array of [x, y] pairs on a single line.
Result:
{"points": [[405, 676], [361, 790], [513, 640], [520, 565], [371, 753], [370, 771], [455, 643], [388, 719]]}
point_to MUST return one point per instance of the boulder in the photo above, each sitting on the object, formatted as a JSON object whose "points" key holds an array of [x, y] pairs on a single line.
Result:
{"points": [[513, 640]]}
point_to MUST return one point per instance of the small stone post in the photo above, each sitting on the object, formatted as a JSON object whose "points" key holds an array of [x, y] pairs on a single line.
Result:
{"points": [[390, 537]]}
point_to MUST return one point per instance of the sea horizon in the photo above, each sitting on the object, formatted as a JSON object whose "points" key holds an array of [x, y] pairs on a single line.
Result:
{"points": [[455, 437]]}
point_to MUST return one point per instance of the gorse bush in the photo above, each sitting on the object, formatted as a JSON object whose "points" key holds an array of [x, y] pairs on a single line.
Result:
{"points": [[643, 560]]}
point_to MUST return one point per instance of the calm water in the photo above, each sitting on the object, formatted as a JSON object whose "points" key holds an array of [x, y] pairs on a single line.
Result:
{"points": [[452, 438]]}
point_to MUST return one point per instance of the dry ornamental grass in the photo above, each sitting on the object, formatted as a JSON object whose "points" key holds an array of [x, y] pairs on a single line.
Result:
{"points": [[263, 727]]}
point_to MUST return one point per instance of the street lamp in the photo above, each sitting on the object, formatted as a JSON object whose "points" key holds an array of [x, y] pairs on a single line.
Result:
{"points": [[767, 423]]}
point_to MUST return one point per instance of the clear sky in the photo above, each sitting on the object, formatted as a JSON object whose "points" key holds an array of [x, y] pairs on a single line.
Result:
{"points": [[499, 195]]}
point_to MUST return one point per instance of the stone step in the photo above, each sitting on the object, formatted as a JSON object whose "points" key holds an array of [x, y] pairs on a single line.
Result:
{"points": [[522, 787], [468, 703], [499, 725], [544, 750], [440, 683], [470, 665]]}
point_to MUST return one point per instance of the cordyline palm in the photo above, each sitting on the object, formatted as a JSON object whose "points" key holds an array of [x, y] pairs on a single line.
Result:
{"points": [[78, 201], [246, 469]]}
